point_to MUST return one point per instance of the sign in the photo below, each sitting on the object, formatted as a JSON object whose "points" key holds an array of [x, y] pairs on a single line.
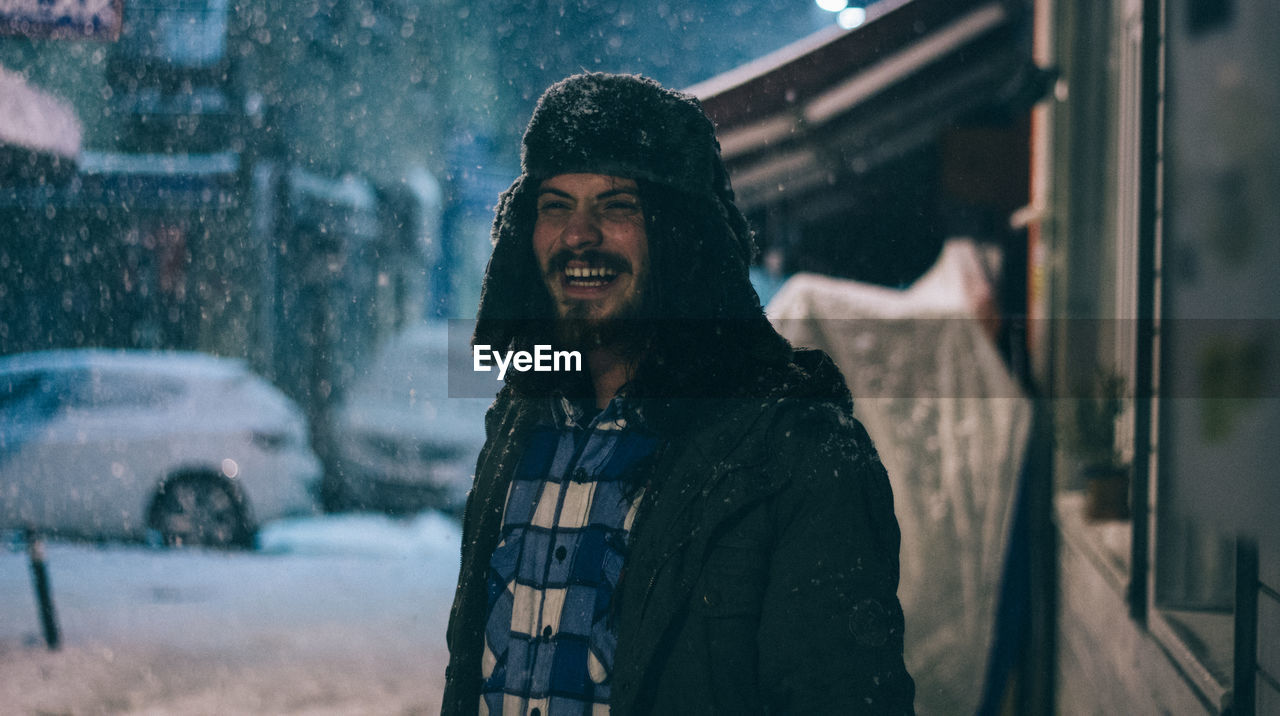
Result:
{"points": [[63, 19]]}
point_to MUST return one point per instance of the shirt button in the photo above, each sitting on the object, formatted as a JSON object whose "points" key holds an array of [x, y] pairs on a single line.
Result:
{"points": [[561, 553], [536, 712], [546, 631], [711, 598], [580, 475]]}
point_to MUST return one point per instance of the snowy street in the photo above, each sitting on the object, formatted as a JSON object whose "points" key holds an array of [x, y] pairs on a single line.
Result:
{"points": [[341, 614]]}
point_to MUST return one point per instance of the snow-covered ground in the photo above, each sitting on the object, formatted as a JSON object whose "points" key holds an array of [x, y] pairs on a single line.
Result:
{"points": [[332, 615]]}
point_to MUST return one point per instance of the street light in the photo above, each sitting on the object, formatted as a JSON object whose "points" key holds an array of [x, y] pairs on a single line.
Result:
{"points": [[851, 17], [832, 5]]}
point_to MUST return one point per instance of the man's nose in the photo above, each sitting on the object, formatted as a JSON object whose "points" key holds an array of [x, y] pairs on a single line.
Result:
{"points": [[582, 230]]}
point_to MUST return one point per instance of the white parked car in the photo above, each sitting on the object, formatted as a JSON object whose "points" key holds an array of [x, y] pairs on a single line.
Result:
{"points": [[181, 447], [402, 443]]}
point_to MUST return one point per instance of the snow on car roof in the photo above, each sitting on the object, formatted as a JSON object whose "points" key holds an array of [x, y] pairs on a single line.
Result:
{"points": [[175, 363]]}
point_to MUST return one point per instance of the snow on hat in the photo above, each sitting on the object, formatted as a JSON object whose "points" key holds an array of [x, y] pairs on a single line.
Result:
{"points": [[630, 126]]}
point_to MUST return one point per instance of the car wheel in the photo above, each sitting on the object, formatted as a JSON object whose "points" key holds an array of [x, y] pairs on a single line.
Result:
{"points": [[200, 510]]}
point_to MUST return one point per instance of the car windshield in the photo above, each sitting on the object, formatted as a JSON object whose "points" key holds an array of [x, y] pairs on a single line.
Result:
{"points": [[16, 387], [101, 389]]}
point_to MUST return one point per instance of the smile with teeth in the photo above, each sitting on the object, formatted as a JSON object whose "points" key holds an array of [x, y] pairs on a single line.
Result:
{"points": [[588, 276]]}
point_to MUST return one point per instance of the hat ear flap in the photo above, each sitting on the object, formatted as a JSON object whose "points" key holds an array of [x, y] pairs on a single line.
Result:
{"points": [[513, 289], [729, 211]]}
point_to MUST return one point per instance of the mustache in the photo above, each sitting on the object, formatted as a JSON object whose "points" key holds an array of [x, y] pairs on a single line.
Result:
{"points": [[595, 257]]}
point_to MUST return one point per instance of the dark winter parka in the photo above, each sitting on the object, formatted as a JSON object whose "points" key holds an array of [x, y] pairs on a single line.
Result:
{"points": [[762, 579], [763, 564]]}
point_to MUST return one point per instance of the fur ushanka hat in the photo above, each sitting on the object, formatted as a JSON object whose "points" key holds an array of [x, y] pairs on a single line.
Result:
{"points": [[621, 125], [629, 126]]}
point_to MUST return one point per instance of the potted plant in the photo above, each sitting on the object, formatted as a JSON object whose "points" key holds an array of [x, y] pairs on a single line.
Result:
{"points": [[1090, 431]]}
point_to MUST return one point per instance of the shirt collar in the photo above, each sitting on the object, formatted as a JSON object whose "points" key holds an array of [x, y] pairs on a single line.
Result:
{"points": [[621, 413]]}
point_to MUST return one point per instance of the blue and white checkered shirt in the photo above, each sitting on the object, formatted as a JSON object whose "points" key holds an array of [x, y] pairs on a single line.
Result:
{"points": [[549, 640]]}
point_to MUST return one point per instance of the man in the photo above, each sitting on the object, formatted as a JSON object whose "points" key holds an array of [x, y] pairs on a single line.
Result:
{"points": [[695, 523]]}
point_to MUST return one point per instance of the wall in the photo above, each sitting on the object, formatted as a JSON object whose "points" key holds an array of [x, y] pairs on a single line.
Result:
{"points": [[1107, 664]]}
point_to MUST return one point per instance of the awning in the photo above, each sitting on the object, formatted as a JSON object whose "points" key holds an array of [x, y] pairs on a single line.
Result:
{"points": [[36, 121], [79, 20], [843, 102]]}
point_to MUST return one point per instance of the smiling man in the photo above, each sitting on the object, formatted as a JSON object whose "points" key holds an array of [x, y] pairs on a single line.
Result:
{"points": [[695, 523], [590, 243]]}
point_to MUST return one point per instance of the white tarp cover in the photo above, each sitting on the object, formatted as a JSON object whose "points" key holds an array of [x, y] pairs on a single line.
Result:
{"points": [[951, 425], [35, 120]]}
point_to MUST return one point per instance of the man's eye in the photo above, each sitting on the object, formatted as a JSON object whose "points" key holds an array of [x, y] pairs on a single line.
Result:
{"points": [[622, 207], [552, 207]]}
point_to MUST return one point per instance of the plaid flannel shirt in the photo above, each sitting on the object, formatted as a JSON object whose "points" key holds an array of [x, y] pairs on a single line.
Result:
{"points": [[549, 639]]}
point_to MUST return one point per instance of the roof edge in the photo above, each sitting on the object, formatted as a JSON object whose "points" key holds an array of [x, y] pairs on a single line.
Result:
{"points": [[743, 74]]}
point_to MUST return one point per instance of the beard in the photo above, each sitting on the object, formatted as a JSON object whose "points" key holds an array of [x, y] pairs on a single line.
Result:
{"points": [[621, 330]]}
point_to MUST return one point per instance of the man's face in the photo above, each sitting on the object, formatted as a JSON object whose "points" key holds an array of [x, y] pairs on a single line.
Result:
{"points": [[591, 246]]}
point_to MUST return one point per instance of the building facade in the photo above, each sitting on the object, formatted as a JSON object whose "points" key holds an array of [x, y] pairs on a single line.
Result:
{"points": [[1120, 155]]}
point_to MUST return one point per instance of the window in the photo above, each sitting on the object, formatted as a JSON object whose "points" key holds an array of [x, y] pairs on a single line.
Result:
{"points": [[1133, 303], [182, 33]]}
